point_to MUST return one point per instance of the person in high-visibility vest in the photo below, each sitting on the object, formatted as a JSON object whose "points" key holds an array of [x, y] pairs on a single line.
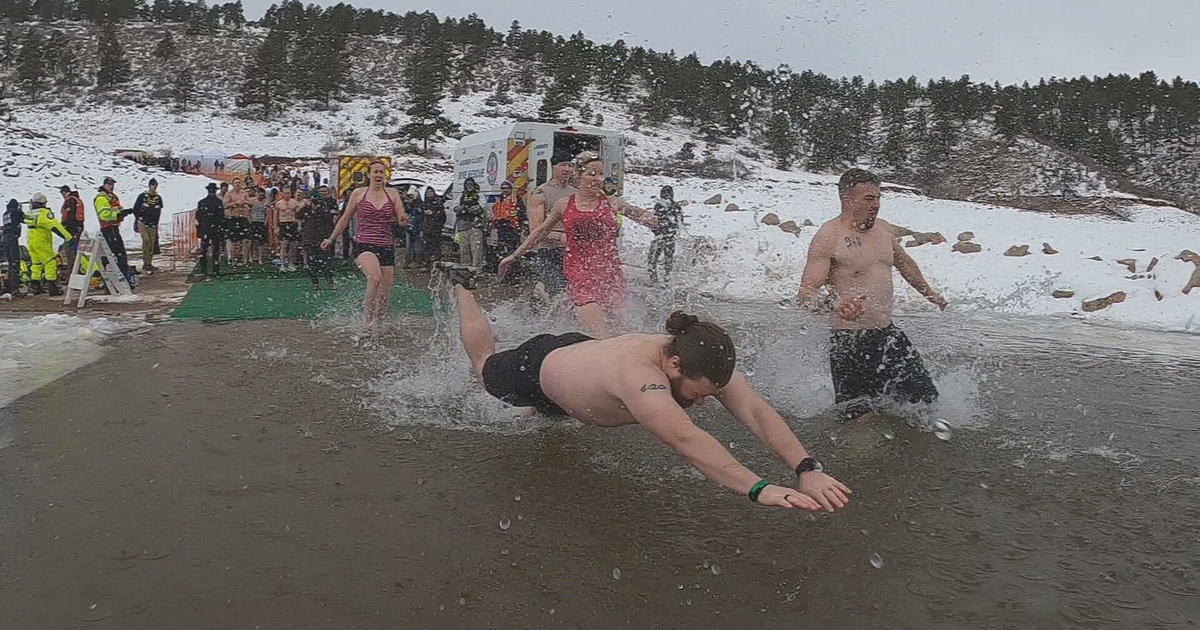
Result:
{"points": [[42, 226], [110, 213]]}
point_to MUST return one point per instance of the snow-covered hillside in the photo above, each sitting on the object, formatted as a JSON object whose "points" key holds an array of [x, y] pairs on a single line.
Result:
{"points": [[734, 255]]}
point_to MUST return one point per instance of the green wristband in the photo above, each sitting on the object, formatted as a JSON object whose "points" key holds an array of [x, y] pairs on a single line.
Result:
{"points": [[757, 489]]}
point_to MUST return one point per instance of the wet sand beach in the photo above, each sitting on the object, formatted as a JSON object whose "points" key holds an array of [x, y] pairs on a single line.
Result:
{"points": [[245, 482]]}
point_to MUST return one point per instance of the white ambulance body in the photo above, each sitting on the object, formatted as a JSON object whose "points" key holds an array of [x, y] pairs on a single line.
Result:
{"points": [[521, 152]]}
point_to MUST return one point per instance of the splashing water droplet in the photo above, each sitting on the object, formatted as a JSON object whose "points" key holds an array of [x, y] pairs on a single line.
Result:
{"points": [[707, 564], [505, 523], [887, 435], [715, 568], [517, 498], [462, 601], [616, 573], [941, 430], [749, 372], [984, 486], [876, 560]]}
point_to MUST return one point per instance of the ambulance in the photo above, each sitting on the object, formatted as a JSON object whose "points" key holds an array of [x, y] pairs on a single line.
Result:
{"points": [[521, 152]]}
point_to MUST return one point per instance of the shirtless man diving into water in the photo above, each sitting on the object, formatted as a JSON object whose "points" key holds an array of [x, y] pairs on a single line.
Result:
{"points": [[646, 379], [872, 361]]}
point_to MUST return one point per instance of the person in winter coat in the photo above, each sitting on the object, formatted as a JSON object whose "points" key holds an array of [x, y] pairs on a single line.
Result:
{"points": [[317, 219], [210, 225], [42, 227], [508, 219], [110, 213], [433, 223], [414, 233], [468, 225], [669, 215], [148, 210], [10, 246], [71, 216]]}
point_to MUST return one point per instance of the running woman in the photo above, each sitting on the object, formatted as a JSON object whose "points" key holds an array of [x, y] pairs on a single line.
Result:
{"points": [[595, 280], [379, 209]]}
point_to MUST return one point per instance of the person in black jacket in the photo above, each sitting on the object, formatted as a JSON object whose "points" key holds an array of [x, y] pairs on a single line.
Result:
{"points": [[433, 224], [210, 222], [148, 210], [10, 247]]}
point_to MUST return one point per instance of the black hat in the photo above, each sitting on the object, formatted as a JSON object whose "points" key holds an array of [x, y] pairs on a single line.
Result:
{"points": [[561, 156], [153, 182], [109, 180], [211, 186], [64, 188], [13, 204]]}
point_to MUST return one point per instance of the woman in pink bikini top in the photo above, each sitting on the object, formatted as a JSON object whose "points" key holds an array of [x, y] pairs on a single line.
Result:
{"points": [[378, 209]]}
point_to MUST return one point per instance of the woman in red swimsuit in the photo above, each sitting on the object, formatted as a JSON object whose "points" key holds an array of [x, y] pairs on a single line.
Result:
{"points": [[379, 209], [592, 265]]}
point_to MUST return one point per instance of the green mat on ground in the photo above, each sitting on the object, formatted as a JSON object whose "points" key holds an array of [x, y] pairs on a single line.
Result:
{"points": [[270, 294]]}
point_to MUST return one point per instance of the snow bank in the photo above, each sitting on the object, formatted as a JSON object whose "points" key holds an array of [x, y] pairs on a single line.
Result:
{"points": [[30, 164]]}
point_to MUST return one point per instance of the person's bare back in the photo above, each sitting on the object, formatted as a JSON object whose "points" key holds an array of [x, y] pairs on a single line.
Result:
{"points": [[584, 379]]}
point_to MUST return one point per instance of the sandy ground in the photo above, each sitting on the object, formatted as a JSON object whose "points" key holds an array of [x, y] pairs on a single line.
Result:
{"points": [[214, 493]]}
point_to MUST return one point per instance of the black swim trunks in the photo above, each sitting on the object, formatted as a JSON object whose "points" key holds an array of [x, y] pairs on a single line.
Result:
{"points": [[386, 255], [258, 232], [547, 267], [289, 231], [872, 368], [514, 376], [237, 228]]}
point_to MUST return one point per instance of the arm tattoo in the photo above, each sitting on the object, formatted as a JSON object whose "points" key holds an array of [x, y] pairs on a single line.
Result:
{"points": [[650, 387]]}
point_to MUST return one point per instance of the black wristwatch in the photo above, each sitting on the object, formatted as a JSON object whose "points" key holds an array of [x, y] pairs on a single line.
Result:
{"points": [[808, 464]]}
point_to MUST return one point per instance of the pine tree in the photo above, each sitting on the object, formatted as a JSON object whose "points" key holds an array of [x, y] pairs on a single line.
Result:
{"points": [[201, 22], [166, 49], [264, 86], [527, 78], [114, 66], [185, 86], [781, 139], [1007, 118], [319, 62], [615, 74], [233, 16], [31, 71], [501, 95], [426, 87], [160, 11], [66, 66], [557, 97]]}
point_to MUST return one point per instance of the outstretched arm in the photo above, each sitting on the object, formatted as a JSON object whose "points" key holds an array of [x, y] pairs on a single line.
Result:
{"points": [[912, 275], [647, 395], [344, 220], [641, 215], [534, 238], [761, 418]]}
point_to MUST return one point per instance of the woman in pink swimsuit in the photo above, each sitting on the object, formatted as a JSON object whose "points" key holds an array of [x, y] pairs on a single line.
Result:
{"points": [[592, 265], [379, 209]]}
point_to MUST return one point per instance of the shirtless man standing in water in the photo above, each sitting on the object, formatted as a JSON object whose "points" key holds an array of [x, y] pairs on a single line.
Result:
{"points": [[872, 361], [649, 380]]}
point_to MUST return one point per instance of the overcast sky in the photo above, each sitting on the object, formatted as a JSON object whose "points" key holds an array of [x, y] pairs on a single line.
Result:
{"points": [[1003, 40]]}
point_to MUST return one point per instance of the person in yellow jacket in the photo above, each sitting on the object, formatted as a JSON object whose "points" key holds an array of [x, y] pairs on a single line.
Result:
{"points": [[42, 226], [110, 213]]}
